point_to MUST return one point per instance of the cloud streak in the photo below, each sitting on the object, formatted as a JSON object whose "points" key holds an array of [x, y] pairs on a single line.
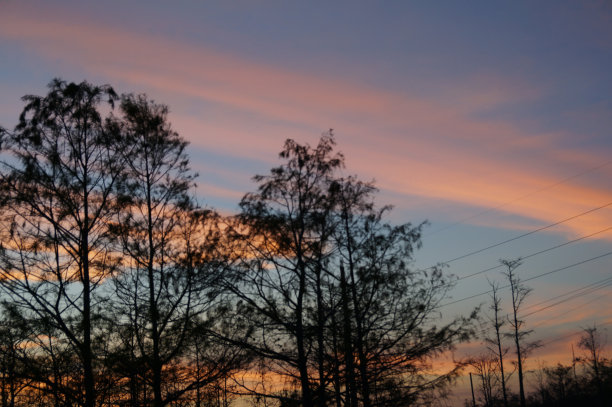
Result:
{"points": [[412, 144]]}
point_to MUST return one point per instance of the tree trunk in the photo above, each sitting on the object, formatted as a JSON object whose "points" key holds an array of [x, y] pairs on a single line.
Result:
{"points": [[500, 352], [518, 349], [336, 362], [363, 361], [320, 342], [351, 388], [156, 360], [88, 374], [299, 333]]}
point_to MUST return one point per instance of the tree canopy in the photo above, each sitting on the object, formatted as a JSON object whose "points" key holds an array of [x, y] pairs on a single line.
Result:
{"points": [[119, 288]]}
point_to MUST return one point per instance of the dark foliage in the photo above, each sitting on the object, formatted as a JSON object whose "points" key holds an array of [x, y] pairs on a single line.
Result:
{"points": [[324, 289], [118, 289]]}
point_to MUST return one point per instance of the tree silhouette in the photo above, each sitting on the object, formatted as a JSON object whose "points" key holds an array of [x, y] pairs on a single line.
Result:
{"points": [[392, 316], [14, 335], [592, 343], [57, 191], [119, 289], [284, 240], [495, 343], [324, 289], [170, 266], [519, 292]]}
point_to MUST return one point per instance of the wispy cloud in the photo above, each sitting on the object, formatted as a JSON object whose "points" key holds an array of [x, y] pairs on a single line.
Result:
{"points": [[412, 144]]}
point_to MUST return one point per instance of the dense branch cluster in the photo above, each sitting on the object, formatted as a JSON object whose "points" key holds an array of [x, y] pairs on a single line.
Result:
{"points": [[118, 289]]}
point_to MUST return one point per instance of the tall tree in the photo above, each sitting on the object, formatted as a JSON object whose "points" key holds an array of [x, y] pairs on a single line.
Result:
{"points": [[171, 261], [519, 292], [393, 306], [285, 239], [496, 343], [325, 290], [58, 188], [486, 369], [591, 341]]}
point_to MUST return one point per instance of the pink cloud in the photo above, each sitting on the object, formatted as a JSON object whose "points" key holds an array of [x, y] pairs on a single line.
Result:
{"points": [[410, 144]]}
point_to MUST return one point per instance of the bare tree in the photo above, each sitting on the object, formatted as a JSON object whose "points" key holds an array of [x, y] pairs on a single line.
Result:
{"points": [[486, 369], [495, 343], [518, 292], [593, 343]]}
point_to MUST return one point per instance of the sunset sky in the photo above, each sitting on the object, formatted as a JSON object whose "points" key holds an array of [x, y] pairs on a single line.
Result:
{"points": [[489, 119]]}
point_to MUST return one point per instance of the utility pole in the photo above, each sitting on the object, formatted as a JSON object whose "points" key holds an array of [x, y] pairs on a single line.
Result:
{"points": [[472, 387]]}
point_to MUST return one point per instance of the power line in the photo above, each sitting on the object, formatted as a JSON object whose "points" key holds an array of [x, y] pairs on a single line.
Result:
{"points": [[567, 267], [528, 233], [548, 320], [577, 295], [537, 253], [549, 186], [570, 335], [596, 283], [584, 304], [528, 279]]}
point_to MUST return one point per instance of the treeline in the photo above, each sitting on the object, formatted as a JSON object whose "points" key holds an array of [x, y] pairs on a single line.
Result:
{"points": [[119, 289], [587, 380]]}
